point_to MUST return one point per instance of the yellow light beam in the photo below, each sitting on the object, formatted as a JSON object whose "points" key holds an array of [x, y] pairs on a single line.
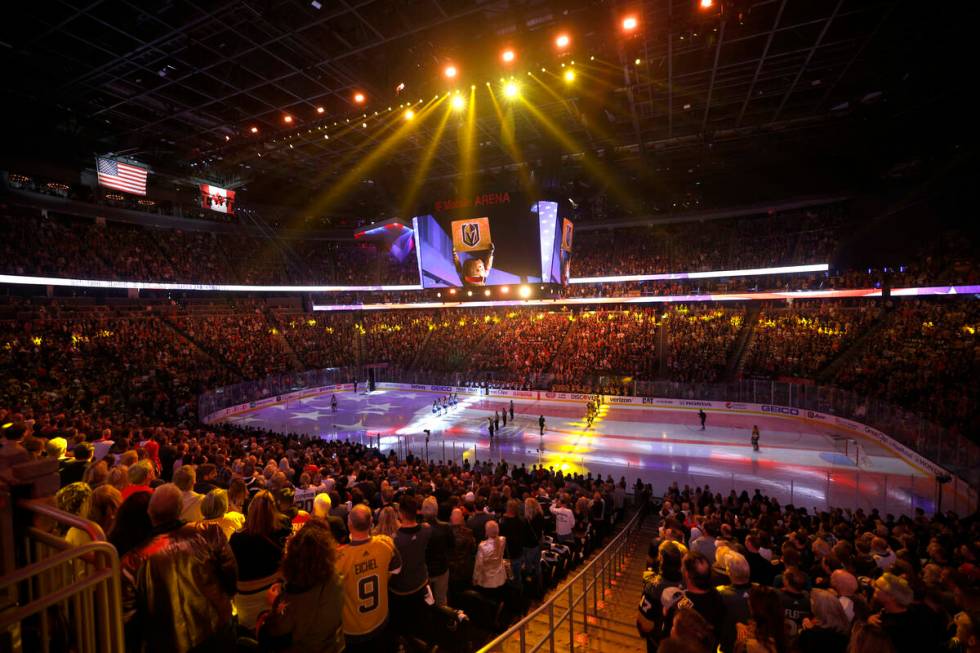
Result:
{"points": [[509, 143], [422, 170], [464, 139], [357, 172], [595, 167]]}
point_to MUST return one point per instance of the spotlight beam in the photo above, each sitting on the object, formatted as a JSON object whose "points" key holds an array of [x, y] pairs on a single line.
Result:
{"points": [[464, 140], [508, 142], [571, 145], [354, 174], [422, 170]]}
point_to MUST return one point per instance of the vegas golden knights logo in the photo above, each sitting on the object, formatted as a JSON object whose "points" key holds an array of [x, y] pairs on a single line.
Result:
{"points": [[470, 234]]}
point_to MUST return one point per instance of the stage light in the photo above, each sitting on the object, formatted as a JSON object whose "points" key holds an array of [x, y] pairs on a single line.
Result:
{"points": [[569, 75], [400, 88], [449, 71], [486, 293], [364, 125], [630, 23], [507, 56], [524, 292], [359, 98], [326, 137], [469, 293], [452, 291], [320, 109], [254, 130], [511, 89], [637, 62], [227, 138], [409, 115], [505, 289], [287, 119], [706, 4], [562, 41], [458, 102]]}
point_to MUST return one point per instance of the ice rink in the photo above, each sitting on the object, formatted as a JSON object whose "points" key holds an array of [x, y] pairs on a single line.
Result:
{"points": [[800, 462]]}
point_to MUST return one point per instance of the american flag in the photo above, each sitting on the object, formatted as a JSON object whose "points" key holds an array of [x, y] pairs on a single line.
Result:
{"points": [[122, 176]]}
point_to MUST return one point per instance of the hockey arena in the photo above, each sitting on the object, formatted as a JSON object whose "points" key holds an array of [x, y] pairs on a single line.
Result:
{"points": [[489, 326]]}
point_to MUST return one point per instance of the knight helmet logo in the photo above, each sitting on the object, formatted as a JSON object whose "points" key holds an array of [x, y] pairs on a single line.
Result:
{"points": [[470, 234]]}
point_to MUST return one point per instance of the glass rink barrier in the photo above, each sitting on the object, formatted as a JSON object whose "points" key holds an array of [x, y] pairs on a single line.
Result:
{"points": [[821, 447], [946, 448]]}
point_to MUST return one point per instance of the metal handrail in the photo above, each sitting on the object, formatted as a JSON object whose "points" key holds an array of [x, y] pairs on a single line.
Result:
{"points": [[83, 583], [45, 509], [603, 559]]}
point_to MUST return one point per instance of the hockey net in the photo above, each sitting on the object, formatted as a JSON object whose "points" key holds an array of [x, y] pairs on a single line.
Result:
{"points": [[852, 450]]}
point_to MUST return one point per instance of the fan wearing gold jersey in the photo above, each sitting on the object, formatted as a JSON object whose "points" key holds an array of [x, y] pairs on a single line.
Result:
{"points": [[366, 564]]}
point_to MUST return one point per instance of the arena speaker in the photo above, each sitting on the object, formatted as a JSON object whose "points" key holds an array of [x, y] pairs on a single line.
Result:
{"points": [[371, 379]]}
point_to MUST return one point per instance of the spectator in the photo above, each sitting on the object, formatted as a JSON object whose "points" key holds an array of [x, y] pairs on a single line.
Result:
{"points": [[512, 531], [214, 510], [321, 510], [237, 493], [185, 576], [76, 499], [438, 551], [462, 556], [478, 520], [650, 621], [689, 626], [883, 555], [735, 596], [184, 479], [762, 571], [409, 589], [140, 476], [968, 631], [827, 631], [910, 626], [490, 567], [564, 522], [869, 638], [533, 540], [306, 612], [705, 544], [73, 469], [700, 593], [764, 632], [845, 585], [795, 600], [132, 526], [105, 505], [366, 565], [258, 550], [387, 522], [119, 478]]}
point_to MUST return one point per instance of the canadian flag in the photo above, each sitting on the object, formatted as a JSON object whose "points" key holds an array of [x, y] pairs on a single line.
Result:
{"points": [[217, 199]]}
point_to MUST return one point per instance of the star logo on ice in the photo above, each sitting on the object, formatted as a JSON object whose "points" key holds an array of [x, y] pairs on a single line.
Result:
{"points": [[310, 414], [358, 426]]}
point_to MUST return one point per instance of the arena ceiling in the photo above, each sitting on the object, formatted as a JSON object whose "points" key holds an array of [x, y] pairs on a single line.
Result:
{"points": [[181, 84]]}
